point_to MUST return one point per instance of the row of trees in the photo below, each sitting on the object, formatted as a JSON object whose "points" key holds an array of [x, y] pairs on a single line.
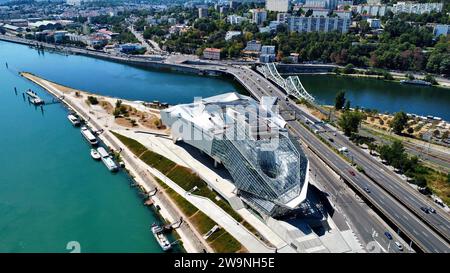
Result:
{"points": [[396, 156]]}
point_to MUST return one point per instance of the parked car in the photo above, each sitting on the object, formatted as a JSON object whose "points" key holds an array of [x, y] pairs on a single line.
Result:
{"points": [[388, 235], [399, 246]]}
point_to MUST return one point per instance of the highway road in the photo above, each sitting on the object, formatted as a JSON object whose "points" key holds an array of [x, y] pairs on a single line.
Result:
{"points": [[392, 183], [362, 218], [408, 222]]}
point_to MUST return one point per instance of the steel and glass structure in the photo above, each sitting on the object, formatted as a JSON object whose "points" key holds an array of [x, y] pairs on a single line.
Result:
{"points": [[269, 169]]}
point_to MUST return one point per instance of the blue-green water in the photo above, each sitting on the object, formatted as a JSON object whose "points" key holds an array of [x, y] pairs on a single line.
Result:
{"points": [[51, 191], [382, 95]]}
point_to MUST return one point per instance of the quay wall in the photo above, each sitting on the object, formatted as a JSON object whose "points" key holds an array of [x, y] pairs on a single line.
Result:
{"points": [[154, 62]]}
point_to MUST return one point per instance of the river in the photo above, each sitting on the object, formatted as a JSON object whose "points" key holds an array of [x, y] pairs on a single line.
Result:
{"points": [[51, 191], [379, 94]]}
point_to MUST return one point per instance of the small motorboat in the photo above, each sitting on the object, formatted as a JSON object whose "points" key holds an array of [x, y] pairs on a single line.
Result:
{"points": [[74, 120], [162, 240], [95, 155]]}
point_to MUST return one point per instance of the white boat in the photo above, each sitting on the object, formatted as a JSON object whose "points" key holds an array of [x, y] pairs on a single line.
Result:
{"points": [[416, 82], [95, 155], [34, 98], [74, 120], [107, 159], [161, 238], [89, 136]]}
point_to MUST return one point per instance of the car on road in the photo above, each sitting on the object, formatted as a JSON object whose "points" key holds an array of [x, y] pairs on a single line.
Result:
{"points": [[366, 189], [425, 209], [330, 139], [388, 235], [352, 172], [343, 150], [430, 209], [399, 246]]}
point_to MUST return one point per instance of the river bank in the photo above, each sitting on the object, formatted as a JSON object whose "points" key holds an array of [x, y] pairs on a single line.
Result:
{"points": [[98, 121]]}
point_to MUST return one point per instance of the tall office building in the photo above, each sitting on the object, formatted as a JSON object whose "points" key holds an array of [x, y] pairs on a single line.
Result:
{"points": [[202, 12], [278, 5]]}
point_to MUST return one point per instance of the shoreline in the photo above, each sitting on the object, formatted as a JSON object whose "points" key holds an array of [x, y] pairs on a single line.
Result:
{"points": [[397, 79], [167, 210], [157, 62]]}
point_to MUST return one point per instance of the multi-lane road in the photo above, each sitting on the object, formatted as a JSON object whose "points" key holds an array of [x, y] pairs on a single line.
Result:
{"points": [[362, 219], [399, 213]]}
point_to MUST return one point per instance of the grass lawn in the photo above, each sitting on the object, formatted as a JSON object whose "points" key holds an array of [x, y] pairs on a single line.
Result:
{"points": [[221, 241]]}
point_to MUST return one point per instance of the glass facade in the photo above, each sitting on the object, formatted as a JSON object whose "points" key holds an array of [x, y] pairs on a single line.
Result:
{"points": [[268, 167]]}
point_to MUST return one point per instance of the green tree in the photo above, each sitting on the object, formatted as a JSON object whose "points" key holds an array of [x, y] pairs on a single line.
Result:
{"points": [[349, 69], [399, 122], [347, 106], [445, 135], [339, 100], [349, 122], [430, 79]]}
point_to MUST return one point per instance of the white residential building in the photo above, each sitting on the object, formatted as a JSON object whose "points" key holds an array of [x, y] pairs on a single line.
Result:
{"points": [[372, 10], [441, 30], [318, 24], [230, 34], [73, 2], [268, 49], [235, 19], [343, 14], [374, 23], [202, 12], [320, 12], [278, 5], [416, 8], [282, 17], [259, 16], [324, 4], [211, 53]]}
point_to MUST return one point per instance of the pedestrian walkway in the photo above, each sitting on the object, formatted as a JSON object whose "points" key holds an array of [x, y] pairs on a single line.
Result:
{"points": [[218, 215], [225, 187]]}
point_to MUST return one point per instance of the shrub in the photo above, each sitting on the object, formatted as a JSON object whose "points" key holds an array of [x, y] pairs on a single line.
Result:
{"points": [[92, 100]]}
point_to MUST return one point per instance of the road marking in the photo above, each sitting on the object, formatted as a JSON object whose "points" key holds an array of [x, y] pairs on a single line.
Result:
{"points": [[404, 216], [426, 235]]}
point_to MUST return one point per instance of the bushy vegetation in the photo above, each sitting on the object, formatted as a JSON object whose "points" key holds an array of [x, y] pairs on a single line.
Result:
{"points": [[399, 122], [92, 100], [402, 46], [349, 122]]}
